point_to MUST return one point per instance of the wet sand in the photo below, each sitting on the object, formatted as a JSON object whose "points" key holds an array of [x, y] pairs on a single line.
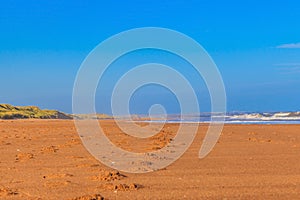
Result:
{"points": [[44, 159]]}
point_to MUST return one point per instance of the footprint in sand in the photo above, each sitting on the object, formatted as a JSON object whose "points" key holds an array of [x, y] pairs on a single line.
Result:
{"points": [[71, 143], [21, 157], [49, 149], [56, 184], [53, 180], [89, 197], [121, 187], [57, 176], [253, 139], [108, 176], [5, 192], [5, 143]]}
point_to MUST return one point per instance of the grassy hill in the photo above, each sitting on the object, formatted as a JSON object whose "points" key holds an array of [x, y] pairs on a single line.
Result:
{"points": [[23, 112]]}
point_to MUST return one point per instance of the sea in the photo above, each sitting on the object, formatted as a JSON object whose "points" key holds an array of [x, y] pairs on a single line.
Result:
{"points": [[232, 118]]}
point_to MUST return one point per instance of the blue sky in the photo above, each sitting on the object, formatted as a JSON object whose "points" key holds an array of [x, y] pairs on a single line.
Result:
{"points": [[255, 44]]}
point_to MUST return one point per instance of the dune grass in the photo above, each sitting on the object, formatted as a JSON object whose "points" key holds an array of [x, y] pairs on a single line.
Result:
{"points": [[24, 112]]}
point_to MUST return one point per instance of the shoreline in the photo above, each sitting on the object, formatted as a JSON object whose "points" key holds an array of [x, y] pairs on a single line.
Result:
{"points": [[270, 122]]}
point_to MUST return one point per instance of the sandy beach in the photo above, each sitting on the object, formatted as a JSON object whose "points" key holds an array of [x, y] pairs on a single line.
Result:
{"points": [[45, 159]]}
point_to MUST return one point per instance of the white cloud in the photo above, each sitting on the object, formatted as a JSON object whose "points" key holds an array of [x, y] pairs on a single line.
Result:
{"points": [[289, 46]]}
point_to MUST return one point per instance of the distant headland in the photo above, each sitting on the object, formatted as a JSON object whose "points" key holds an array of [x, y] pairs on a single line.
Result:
{"points": [[8, 111]]}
